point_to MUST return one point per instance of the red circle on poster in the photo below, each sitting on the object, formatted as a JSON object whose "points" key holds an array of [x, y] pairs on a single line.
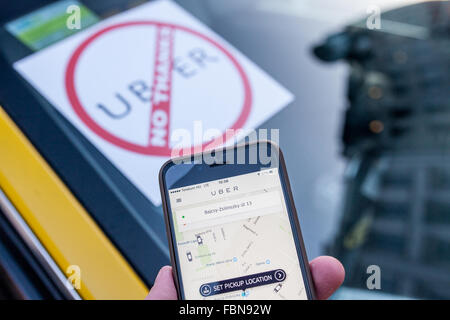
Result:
{"points": [[149, 149]]}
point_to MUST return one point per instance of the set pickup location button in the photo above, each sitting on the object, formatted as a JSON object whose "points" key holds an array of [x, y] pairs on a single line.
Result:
{"points": [[242, 283]]}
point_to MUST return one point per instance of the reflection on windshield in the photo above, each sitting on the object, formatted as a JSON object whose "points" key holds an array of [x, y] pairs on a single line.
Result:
{"points": [[396, 135]]}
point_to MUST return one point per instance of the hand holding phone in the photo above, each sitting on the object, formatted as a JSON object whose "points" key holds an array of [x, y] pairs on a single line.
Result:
{"points": [[232, 226], [327, 274]]}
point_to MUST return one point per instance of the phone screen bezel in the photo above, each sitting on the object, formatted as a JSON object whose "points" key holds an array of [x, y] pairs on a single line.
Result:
{"points": [[207, 173]]}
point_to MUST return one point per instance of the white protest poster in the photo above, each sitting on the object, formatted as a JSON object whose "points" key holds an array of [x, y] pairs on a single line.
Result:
{"points": [[128, 82]]}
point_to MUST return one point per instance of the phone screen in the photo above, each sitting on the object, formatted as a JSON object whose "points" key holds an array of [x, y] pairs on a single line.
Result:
{"points": [[234, 239]]}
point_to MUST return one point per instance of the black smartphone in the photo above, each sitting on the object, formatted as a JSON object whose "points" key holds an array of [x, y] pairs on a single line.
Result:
{"points": [[232, 225]]}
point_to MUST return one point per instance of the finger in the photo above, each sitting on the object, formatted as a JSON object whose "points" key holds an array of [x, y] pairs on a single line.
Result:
{"points": [[163, 288], [328, 274]]}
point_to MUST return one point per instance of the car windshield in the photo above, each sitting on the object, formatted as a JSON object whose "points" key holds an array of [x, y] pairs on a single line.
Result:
{"points": [[360, 100]]}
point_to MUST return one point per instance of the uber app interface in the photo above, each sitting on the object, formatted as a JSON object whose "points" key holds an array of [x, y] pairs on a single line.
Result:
{"points": [[234, 239]]}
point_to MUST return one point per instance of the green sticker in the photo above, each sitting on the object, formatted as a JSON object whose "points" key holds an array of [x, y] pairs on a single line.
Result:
{"points": [[51, 23]]}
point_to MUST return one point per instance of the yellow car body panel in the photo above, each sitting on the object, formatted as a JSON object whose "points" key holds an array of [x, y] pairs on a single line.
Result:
{"points": [[62, 225]]}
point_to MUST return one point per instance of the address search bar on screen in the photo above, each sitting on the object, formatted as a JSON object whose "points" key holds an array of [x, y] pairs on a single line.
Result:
{"points": [[227, 211]]}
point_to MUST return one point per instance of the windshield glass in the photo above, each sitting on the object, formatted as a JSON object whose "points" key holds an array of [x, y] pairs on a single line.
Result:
{"points": [[365, 138]]}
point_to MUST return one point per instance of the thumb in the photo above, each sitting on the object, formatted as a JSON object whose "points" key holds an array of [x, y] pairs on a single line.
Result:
{"points": [[164, 287]]}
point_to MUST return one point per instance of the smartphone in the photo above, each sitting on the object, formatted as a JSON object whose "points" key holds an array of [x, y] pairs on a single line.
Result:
{"points": [[232, 225]]}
